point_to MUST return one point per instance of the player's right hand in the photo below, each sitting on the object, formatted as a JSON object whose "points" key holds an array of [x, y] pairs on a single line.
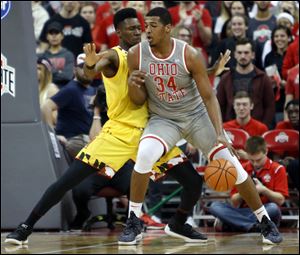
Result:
{"points": [[224, 140], [137, 78], [91, 58]]}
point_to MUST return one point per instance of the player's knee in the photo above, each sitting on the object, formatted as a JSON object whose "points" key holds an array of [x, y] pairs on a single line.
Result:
{"points": [[241, 176], [145, 162], [216, 206], [150, 150], [221, 151], [272, 209]]}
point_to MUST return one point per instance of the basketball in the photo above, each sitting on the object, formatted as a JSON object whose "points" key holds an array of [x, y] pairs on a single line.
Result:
{"points": [[220, 175]]}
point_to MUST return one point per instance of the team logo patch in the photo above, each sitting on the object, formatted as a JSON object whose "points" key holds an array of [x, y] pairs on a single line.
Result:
{"points": [[282, 138], [8, 77], [5, 8]]}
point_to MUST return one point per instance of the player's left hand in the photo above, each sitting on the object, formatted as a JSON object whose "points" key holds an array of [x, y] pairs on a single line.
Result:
{"points": [[219, 65]]}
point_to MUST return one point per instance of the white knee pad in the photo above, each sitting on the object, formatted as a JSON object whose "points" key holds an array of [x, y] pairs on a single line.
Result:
{"points": [[221, 151], [150, 150]]}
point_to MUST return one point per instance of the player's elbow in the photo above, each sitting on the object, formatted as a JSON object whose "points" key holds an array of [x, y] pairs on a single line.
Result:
{"points": [[137, 96], [139, 100]]}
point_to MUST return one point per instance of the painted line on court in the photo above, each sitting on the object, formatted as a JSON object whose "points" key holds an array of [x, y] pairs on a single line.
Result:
{"points": [[96, 245], [78, 248]]}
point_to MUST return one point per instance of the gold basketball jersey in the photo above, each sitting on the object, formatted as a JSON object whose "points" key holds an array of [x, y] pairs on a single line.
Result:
{"points": [[120, 107]]}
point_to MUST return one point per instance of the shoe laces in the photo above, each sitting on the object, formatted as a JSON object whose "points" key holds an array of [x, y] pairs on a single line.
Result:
{"points": [[188, 228], [267, 227], [131, 223], [23, 230]]}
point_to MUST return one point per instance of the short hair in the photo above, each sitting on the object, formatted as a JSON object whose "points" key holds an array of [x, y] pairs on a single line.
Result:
{"points": [[244, 41], [162, 13], [256, 144], [292, 102], [242, 94], [123, 14]]}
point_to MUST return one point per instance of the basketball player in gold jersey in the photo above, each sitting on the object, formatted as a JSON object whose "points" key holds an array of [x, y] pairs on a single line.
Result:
{"points": [[118, 141]]}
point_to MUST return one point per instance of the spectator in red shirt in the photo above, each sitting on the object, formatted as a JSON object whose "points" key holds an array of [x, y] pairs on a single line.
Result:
{"points": [[271, 183], [292, 84], [106, 9], [292, 161], [291, 57], [292, 109], [198, 19], [139, 6], [107, 36], [88, 11], [243, 105]]}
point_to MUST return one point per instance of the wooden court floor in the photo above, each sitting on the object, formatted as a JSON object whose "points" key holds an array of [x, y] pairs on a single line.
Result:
{"points": [[104, 241]]}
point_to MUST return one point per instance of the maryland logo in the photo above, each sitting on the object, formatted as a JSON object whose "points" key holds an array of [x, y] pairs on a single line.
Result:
{"points": [[8, 78]]}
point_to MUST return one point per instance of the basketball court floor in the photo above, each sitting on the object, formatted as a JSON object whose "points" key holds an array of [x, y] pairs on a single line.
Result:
{"points": [[104, 241]]}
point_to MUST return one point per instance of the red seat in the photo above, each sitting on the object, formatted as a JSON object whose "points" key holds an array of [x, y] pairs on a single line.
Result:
{"points": [[238, 137], [283, 141], [108, 193]]}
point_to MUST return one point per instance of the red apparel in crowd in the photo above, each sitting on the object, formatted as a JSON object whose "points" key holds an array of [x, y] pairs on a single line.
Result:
{"points": [[206, 19], [292, 84], [295, 29], [107, 34], [285, 124], [102, 12], [272, 175], [253, 127], [291, 58]]}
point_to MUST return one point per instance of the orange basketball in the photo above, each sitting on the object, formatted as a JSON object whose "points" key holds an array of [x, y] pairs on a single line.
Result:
{"points": [[220, 175]]}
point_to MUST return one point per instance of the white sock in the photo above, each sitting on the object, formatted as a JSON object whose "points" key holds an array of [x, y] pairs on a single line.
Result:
{"points": [[136, 208], [259, 213]]}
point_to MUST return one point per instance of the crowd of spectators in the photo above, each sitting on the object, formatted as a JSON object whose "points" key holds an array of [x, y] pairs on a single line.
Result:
{"points": [[271, 27]]}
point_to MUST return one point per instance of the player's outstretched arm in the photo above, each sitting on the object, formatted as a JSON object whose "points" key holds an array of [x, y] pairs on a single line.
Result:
{"points": [[106, 61], [136, 80]]}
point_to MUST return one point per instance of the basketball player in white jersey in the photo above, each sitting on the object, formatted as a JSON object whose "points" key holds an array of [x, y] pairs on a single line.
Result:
{"points": [[169, 74]]}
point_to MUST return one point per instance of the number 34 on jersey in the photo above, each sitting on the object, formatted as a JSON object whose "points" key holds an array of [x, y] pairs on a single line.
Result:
{"points": [[163, 76]]}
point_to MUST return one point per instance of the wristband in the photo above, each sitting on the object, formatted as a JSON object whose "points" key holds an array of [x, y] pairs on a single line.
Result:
{"points": [[97, 118]]}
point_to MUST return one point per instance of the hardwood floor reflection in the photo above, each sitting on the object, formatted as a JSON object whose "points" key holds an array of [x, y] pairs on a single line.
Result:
{"points": [[104, 241]]}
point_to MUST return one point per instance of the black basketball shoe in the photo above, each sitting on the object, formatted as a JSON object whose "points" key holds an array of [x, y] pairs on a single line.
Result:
{"points": [[185, 232], [20, 235], [132, 232], [269, 231]]}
